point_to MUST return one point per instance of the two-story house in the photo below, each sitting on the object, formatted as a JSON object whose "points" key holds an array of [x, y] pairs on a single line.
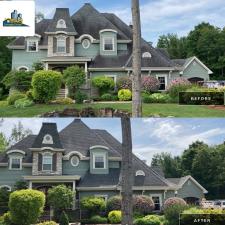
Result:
{"points": [[101, 43], [88, 161]]}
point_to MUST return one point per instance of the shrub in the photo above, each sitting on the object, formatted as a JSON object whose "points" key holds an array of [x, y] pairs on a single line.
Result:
{"points": [[23, 102], [148, 220], [124, 83], [38, 66], [174, 201], [74, 77], [104, 84], [64, 101], [124, 95], [26, 206], [98, 220], [115, 217], [20, 185], [178, 85], [106, 97], [93, 205], [19, 80], [156, 98], [14, 97], [48, 223], [46, 85], [173, 212], [114, 203], [4, 199], [29, 95], [64, 220], [143, 204], [150, 84], [6, 219], [80, 97]]}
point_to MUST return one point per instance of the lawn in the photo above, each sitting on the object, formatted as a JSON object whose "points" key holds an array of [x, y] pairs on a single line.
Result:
{"points": [[162, 110]]}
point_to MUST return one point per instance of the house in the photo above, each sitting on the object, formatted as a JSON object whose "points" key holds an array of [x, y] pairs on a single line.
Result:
{"points": [[101, 43], [89, 161]]}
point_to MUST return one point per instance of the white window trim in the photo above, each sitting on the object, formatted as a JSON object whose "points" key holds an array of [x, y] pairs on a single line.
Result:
{"points": [[21, 67], [104, 158], [61, 26], [102, 196], [10, 162], [89, 43], [160, 200], [43, 155], [6, 186], [45, 141], [78, 162], [61, 38], [166, 80], [28, 41], [113, 42], [140, 173]]}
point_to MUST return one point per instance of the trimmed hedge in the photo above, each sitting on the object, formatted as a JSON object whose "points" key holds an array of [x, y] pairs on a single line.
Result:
{"points": [[103, 83], [143, 204], [114, 203], [14, 97], [148, 220], [174, 201], [125, 95], [115, 217]]}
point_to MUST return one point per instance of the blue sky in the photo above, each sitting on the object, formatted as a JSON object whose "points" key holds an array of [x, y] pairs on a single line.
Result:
{"points": [[158, 16], [150, 136]]}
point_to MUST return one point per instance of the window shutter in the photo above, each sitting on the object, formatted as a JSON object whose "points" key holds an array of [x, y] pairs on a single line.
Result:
{"points": [[54, 44], [54, 162], [68, 45], [39, 162]]}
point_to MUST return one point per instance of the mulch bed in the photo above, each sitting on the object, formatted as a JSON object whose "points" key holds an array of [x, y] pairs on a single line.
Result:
{"points": [[218, 107]]}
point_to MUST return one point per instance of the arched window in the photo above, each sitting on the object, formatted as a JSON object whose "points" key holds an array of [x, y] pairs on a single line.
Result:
{"points": [[146, 55], [61, 24], [6, 187], [47, 139], [23, 68], [140, 173], [47, 162]]}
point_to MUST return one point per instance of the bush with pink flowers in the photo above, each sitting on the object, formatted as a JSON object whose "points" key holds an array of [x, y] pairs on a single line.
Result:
{"points": [[143, 204], [150, 84], [124, 83], [174, 201], [178, 85]]}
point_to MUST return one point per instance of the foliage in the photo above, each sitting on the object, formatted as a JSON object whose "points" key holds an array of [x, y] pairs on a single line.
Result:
{"points": [[38, 66], [106, 97], [63, 220], [23, 103], [64, 101], [148, 220], [4, 199], [18, 80], [6, 219], [178, 85], [29, 94], [114, 203], [115, 217], [60, 197], [3, 142], [26, 206], [98, 220], [143, 204], [150, 84], [156, 98], [124, 83], [48, 223], [80, 97], [173, 201], [46, 85], [172, 213], [20, 185], [74, 77], [93, 204], [125, 95], [14, 97], [104, 84]]}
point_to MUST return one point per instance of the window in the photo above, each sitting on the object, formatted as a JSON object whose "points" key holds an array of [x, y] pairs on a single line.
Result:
{"points": [[47, 162], [140, 173], [61, 24], [32, 46], [158, 202], [86, 43], [5, 187], [15, 163], [99, 162], [47, 139], [108, 44], [23, 68], [162, 82], [146, 55], [61, 44], [75, 161]]}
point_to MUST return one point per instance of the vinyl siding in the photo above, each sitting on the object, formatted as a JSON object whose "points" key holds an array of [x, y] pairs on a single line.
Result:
{"points": [[92, 51], [108, 34]]}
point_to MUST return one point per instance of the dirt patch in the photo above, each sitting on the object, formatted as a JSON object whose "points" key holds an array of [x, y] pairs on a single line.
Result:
{"points": [[218, 107]]}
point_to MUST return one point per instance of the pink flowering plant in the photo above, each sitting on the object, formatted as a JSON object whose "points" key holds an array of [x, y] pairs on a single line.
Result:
{"points": [[174, 201], [178, 85], [150, 84], [124, 83]]}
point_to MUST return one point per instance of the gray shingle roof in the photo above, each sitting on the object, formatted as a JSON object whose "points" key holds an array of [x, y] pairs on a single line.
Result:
{"points": [[179, 62]]}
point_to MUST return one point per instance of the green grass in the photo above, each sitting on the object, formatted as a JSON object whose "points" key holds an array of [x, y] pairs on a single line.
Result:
{"points": [[163, 110]]}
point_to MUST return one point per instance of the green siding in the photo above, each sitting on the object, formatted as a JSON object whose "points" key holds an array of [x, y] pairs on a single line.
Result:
{"points": [[113, 164], [92, 51], [108, 34], [23, 58], [122, 47]]}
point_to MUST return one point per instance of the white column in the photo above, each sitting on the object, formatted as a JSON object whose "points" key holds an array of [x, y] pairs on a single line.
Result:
{"points": [[74, 197], [46, 66], [86, 70], [30, 185]]}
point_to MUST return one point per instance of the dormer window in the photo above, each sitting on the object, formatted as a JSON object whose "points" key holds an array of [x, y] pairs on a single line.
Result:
{"points": [[47, 162], [140, 173], [61, 45], [99, 161], [47, 139], [15, 163], [146, 55], [86, 43], [108, 44], [32, 46], [61, 24]]}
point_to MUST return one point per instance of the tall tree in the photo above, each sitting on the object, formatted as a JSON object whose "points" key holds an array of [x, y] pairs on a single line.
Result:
{"points": [[39, 17], [136, 76], [127, 172], [3, 142]]}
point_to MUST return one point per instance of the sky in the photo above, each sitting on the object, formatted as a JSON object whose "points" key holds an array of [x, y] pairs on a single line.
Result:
{"points": [[150, 136], [158, 17]]}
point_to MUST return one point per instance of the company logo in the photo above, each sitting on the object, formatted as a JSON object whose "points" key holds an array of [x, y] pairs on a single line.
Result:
{"points": [[16, 20]]}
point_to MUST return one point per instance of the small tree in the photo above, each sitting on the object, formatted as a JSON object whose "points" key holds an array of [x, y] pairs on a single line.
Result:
{"points": [[150, 84], [73, 77], [103, 83], [26, 206], [46, 85], [114, 203], [63, 220], [143, 204], [38, 66], [4, 199]]}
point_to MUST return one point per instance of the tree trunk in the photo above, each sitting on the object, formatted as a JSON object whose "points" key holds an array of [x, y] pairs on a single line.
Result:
{"points": [[127, 172], [136, 76]]}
